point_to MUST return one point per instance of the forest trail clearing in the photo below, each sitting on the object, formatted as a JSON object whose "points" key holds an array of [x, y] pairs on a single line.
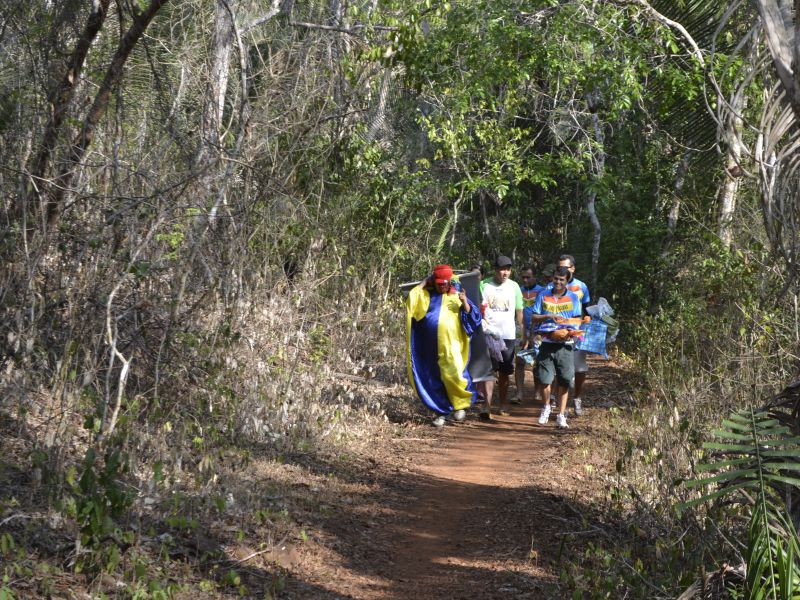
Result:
{"points": [[472, 510], [480, 510]]}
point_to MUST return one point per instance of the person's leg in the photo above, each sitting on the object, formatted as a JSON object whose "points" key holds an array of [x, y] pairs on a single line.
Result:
{"points": [[580, 378], [506, 369], [486, 412], [502, 391], [561, 398], [565, 371], [545, 373], [544, 397], [581, 368], [519, 379], [544, 394], [480, 386]]}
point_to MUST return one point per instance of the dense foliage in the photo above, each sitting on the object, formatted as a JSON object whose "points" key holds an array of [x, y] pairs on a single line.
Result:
{"points": [[208, 206]]}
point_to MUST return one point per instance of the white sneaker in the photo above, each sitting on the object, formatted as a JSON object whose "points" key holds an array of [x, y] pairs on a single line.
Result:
{"points": [[439, 421], [459, 415], [561, 421], [544, 415], [578, 407]]}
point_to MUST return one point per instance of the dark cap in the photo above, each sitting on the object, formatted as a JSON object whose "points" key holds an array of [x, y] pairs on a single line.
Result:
{"points": [[502, 261]]}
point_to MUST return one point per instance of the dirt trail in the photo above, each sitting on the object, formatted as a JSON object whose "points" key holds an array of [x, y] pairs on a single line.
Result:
{"points": [[473, 510], [441, 552]]}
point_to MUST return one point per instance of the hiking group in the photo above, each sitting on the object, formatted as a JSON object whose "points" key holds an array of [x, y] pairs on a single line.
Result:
{"points": [[459, 350]]}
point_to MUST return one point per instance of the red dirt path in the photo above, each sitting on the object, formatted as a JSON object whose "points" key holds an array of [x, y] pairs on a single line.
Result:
{"points": [[478, 510]]}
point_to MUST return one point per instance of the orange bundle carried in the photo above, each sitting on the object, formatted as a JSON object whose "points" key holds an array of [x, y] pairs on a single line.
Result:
{"points": [[559, 335], [576, 321], [564, 334]]}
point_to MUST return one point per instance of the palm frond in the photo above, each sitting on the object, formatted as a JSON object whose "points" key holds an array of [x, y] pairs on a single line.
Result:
{"points": [[772, 570], [756, 451]]}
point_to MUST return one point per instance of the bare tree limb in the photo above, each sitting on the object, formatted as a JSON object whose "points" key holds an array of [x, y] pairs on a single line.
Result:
{"points": [[61, 96], [348, 30], [112, 77], [274, 10]]}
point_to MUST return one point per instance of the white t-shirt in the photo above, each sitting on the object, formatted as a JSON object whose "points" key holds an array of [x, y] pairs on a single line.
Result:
{"points": [[500, 305]]}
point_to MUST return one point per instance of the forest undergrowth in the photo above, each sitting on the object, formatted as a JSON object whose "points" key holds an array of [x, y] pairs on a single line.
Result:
{"points": [[310, 411], [207, 209], [259, 383]]}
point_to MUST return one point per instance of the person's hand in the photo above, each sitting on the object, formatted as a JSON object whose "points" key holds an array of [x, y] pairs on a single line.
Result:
{"points": [[462, 295]]}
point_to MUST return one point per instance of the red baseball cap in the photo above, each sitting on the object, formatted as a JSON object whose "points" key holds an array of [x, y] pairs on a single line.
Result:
{"points": [[442, 273]]}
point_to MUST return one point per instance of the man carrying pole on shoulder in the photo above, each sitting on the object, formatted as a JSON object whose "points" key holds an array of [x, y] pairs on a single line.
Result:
{"points": [[440, 320]]}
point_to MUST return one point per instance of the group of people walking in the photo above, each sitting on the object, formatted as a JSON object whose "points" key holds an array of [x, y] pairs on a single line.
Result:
{"points": [[450, 337]]}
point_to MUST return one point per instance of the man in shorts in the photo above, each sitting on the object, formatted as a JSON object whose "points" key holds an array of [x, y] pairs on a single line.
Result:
{"points": [[502, 318], [530, 288], [554, 363], [577, 287]]}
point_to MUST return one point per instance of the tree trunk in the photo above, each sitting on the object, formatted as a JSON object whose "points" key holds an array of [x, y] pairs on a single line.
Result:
{"points": [[209, 146], [730, 187], [600, 164], [675, 206], [61, 96], [780, 29], [487, 232]]}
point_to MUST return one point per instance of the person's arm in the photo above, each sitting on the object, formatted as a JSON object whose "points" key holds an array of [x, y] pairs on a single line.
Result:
{"points": [[469, 315], [518, 306], [418, 300], [465, 305], [539, 318]]}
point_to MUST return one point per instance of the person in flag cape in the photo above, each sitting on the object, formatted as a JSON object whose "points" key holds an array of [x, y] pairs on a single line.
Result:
{"points": [[440, 320]]}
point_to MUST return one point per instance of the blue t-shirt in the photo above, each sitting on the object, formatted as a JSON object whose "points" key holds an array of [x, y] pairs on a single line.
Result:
{"points": [[568, 306], [529, 295], [577, 287]]}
